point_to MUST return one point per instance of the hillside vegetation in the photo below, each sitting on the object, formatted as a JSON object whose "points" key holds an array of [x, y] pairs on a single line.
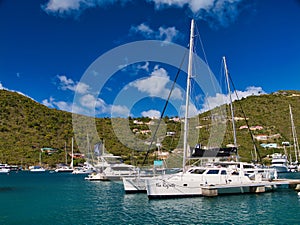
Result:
{"points": [[27, 126]]}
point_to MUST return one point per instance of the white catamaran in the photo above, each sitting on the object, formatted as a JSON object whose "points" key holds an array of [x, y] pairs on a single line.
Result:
{"points": [[207, 180]]}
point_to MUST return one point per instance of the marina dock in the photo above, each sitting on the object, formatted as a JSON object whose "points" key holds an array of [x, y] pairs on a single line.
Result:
{"points": [[256, 187]]}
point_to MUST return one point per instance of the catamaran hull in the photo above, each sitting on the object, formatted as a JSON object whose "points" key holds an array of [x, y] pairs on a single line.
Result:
{"points": [[281, 169], [177, 190], [135, 185], [170, 189]]}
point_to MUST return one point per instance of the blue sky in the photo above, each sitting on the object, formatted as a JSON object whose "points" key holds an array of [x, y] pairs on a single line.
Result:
{"points": [[47, 46]]}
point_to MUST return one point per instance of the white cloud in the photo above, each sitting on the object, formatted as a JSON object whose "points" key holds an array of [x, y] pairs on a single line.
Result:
{"points": [[82, 88], [120, 111], [168, 34], [65, 83], [143, 29], [87, 105], [220, 12], [88, 101], [69, 84], [48, 103], [4, 88], [74, 7], [144, 67], [151, 113], [65, 106], [194, 5], [193, 111], [155, 85], [61, 105], [252, 90], [219, 99], [62, 6]]}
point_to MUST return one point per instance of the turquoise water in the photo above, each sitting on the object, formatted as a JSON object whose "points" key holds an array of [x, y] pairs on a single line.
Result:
{"points": [[51, 198]]}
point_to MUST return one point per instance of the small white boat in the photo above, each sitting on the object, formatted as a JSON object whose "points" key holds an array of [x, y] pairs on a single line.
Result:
{"points": [[4, 168], [114, 173], [96, 177], [64, 169], [79, 170], [86, 169], [37, 169]]}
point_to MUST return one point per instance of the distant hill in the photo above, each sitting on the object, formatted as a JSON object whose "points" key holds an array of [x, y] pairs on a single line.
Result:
{"points": [[269, 115], [26, 126]]}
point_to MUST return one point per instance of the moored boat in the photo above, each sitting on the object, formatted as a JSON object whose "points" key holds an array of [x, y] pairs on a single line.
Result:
{"points": [[280, 163], [37, 169], [4, 168], [199, 181], [205, 180], [64, 169]]}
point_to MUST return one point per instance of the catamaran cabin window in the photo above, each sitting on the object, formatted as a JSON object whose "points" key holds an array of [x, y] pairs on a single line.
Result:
{"points": [[197, 171], [213, 171], [223, 172]]}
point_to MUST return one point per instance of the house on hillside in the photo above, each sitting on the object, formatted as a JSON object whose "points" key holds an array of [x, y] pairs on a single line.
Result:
{"points": [[240, 118], [251, 128], [145, 131], [49, 151], [243, 127], [138, 122], [175, 119], [269, 145], [171, 133], [256, 128], [261, 137], [264, 137], [285, 143]]}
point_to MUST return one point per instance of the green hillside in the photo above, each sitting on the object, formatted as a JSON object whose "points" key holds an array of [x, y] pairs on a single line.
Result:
{"points": [[271, 112], [27, 126]]}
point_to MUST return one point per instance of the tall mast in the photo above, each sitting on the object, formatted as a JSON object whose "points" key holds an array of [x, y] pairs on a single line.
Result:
{"points": [[66, 156], [40, 158], [231, 106], [296, 145], [188, 86], [72, 160]]}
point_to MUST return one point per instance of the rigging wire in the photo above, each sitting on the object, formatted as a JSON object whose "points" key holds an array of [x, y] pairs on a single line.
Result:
{"points": [[165, 107], [252, 138], [204, 56]]}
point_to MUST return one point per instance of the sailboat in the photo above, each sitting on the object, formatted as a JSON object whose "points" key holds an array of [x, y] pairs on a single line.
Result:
{"points": [[38, 168], [65, 168], [294, 166], [87, 168], [4, 168], [201, 180]]}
